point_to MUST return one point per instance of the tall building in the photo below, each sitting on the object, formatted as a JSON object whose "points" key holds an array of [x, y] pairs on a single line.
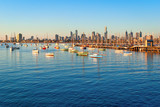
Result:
{"points": [[131, 36], [98, 36], [83, 36], [76, 34], [71, 34], [137, 35], [140, 34], [14, 37], [32, 37], [93, 35], [6, 38], [105, 33], [126, 35], [19, 37], [56, 37]]}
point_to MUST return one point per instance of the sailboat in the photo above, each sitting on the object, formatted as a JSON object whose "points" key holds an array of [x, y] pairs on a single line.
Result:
{"points": [[71, 49], [83, 53], [35, 51], [64, 49], [57, 46], [49, 54], [96, 55]]}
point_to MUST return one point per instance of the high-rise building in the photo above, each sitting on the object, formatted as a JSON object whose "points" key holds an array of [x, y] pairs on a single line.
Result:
{"points": [[19, 37], [112, 37], [98, 36], [56, 37], [83, 36], [131, 36], [105, 33], [6, 38], [32, 37], [14, 37], [126, 35], [140, 34], [11, 39], [76, 34], [71, 34], [137, 35], [93, 35]]}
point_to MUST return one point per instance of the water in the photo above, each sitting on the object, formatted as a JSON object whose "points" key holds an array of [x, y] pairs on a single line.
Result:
{"points": [[69, 80]]}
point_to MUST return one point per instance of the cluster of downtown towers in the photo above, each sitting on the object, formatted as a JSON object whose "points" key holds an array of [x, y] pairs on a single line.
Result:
{"points": [[97, 36]]}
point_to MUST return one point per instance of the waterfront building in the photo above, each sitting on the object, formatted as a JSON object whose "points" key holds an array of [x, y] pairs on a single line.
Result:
{"points": [[19, 37], [148, 43]]}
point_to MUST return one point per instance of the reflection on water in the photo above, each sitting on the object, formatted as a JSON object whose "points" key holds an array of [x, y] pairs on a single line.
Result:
{"points": [[149, 60], [69, 80]]}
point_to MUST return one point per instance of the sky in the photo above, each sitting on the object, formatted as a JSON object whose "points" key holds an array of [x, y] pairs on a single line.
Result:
{"points": [[49, 17]]}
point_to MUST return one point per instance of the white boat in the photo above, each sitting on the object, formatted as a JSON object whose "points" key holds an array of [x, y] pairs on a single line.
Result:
{"points": [[40, 47], [11, 49], [47, 46], [66, 46], [91, 49], [95, 56], [118, 51], [25, 45], [127, 54], [49, 54], [81, 47], [16, 48], [35, 51]]}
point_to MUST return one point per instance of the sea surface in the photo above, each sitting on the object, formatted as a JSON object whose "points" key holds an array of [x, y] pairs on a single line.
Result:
{"points": [[28, 80]]}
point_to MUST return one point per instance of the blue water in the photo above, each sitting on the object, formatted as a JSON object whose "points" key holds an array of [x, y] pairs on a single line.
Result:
{"points": [[69, 80]]}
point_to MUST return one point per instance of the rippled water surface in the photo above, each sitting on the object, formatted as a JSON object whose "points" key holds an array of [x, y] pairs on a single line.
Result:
{"points": [[69, 80]]}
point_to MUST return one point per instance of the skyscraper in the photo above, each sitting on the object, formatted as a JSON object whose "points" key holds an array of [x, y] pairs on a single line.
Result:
{"points": [[56, 37], [71, 34], [137, 35], [105, 33], [126, 35], [76, 34], [93, 35], [140, 34], [6, 37], [19, 37]]}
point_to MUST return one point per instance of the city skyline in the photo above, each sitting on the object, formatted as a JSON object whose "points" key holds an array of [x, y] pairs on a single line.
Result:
{"points": [[39, 18]]}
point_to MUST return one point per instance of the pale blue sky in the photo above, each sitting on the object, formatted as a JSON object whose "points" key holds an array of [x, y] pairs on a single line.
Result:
{"points": [[39, 17]]}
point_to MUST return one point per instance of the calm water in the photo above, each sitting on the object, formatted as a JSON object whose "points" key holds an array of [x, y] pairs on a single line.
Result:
{"points": [[70, 80]]}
